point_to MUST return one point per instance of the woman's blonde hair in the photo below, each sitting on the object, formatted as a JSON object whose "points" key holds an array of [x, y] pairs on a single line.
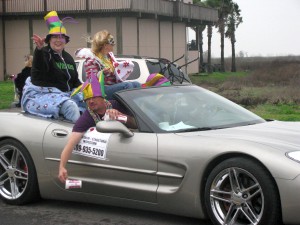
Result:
{"points": [[28, 60], [99, 40]]}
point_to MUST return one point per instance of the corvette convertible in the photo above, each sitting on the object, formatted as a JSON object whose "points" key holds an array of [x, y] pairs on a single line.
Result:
{"points": [[193, 154]]}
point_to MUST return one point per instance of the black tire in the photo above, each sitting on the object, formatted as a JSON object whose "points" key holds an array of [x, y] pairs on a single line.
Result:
{"points": [[230, 200], [18, 179]]}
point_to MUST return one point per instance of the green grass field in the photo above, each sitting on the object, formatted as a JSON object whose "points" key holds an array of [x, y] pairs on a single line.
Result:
{"points": [[6, 94], [284, 112], [289, 112], [216, 77]]}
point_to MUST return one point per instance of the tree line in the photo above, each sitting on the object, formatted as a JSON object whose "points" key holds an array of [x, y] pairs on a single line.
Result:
{"points": [[229, 18]]}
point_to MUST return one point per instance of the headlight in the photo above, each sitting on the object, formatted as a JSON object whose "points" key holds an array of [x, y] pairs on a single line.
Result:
{"points": [[294, 156]]}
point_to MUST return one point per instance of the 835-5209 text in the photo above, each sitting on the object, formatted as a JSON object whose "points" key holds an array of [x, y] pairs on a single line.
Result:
{"points": [[89, 150]]}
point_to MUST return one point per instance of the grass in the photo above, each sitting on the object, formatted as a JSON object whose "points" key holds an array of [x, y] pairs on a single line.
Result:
{"points": [[283, 112], [216, 77], [6, 94], [262, 100]]}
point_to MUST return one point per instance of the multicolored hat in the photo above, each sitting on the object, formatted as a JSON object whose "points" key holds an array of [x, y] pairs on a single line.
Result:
{"points": [[55, 26], [156, 79], [92, 87]]}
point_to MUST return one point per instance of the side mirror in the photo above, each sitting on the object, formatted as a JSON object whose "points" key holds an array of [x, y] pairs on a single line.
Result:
{"points": [[113, 127]]}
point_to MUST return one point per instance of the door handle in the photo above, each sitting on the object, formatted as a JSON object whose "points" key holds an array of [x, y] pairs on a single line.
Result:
{"points": [[60, 133]]}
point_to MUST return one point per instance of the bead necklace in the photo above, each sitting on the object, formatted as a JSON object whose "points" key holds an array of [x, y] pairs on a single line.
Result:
{"points": [[106, 61], [96, 117]]}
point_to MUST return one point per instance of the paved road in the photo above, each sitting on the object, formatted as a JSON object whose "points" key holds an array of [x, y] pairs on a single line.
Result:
{"points": [[50, 212]]}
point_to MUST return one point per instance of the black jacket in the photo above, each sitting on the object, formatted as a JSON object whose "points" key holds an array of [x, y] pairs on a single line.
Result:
{"points": [[49, 69], [21, 78]]}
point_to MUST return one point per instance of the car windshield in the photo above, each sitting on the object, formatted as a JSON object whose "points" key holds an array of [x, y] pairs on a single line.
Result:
{"points": [[188, 108]]}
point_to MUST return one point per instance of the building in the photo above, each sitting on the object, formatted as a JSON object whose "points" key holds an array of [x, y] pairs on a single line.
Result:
{"points": [[154, 28]]}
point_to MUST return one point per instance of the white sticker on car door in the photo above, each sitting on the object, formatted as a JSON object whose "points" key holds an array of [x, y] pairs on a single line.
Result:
{"points": [[93, 144]]}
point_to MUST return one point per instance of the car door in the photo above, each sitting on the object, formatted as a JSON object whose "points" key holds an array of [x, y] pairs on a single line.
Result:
{"points": [[128, 171]]}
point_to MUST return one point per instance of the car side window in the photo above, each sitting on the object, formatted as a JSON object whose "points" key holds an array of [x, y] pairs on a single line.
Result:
{"points": [[159, 67], [136, 73], [173, 71], [154, 67]]}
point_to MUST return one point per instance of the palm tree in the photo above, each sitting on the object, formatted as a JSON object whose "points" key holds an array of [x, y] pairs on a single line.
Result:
{"points": [[199, 29], [209, 36], [229, 16], [199, 38], [199, 43], [234, 20], [224, 7]]}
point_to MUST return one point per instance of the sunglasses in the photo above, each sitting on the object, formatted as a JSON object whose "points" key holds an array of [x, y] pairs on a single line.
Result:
{"points": [[111, 41]]}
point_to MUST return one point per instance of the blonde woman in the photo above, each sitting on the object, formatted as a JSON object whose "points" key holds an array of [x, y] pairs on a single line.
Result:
{"points": [[100, 59]]}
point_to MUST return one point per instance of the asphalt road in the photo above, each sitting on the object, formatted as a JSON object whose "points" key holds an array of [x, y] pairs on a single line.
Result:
{"points": [[50, 212]]}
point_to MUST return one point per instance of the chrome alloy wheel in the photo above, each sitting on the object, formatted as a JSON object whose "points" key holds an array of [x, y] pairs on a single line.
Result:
{"points": [[236, 197], [13, 172]]}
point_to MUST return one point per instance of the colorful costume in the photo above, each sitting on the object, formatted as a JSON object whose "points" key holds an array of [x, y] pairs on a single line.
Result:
{"points": [[92, 87], [120, 71], [53, 78]]}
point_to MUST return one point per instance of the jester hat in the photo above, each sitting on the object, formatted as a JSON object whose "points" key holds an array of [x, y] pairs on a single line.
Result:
{"points": [[92, 87], [55, 26], [156, 79]]}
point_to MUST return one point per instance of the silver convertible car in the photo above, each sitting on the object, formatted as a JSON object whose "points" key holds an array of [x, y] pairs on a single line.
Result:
{"points": [[194, 154]]}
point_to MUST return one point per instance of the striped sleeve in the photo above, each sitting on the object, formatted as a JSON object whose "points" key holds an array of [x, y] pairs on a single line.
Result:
{"points": [[91, 67]]}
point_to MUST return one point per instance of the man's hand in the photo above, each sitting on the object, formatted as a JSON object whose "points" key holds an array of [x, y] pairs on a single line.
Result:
{"points": [[112, 114], [62, 174]]}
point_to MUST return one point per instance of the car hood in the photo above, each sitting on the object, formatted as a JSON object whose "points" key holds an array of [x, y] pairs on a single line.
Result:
{"points": [[274, 134]]}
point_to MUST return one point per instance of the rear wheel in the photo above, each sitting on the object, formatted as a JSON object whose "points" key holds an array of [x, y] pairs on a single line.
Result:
{"points": [[18, 180], [239, 191]]}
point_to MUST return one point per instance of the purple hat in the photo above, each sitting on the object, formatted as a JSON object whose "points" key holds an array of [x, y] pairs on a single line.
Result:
{"points": [[55, 26], [156, 79], [91, 87]]}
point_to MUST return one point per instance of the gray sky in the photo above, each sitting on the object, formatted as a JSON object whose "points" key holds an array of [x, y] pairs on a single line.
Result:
{"points": [[269, 28]]}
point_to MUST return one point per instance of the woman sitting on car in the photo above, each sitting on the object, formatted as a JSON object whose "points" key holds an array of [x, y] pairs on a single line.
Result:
{"points": [[100, 59], [53, 75]]}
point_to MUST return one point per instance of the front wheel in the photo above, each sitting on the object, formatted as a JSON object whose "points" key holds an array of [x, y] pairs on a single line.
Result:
{"points": [[240, 191], [18, 180]]}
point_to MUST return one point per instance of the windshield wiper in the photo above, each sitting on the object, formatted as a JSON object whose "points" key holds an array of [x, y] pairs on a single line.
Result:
{"points": [[195, 129]]}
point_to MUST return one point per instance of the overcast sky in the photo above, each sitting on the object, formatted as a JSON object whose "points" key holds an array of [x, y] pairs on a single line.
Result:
{"points": [[269, 28]]}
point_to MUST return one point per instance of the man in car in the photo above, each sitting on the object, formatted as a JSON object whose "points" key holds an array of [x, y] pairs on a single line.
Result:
{"points": [[97, 109]]}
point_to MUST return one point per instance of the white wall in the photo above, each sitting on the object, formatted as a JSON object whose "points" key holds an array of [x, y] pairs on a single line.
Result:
{"points": [[17, 44], [129, 36], [148, 36]]}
